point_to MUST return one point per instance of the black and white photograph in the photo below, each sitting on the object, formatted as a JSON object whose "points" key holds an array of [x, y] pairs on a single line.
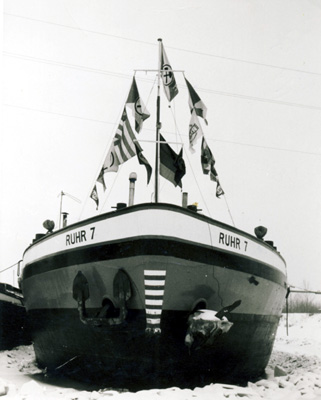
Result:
{"points": [[160, 200]]}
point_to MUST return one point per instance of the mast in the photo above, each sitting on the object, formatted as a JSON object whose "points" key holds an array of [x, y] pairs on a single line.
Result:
{"points": [[62, 193], [158, 123], [60, 211]]}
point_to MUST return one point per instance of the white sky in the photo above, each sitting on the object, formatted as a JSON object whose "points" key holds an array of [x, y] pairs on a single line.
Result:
{"points": [[67, 70]]}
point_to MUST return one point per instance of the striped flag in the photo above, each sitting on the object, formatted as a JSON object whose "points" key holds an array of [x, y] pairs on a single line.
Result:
{"points": [[154, 281], [196, 103], [124, 147], [168, 77], [138, 108], [208, 162]]}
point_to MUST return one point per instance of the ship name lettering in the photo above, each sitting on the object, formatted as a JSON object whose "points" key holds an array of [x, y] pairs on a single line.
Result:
{"points": [[229, 240], [76, 237]]}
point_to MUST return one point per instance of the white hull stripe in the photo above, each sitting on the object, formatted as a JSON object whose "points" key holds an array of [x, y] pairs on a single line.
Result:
{"points": [[157, 293], [154, 273], [154, 281], [149, 302], [167, 223]]}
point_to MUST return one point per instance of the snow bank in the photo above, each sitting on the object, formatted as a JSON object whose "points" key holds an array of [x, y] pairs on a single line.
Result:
{"points": [[294, 372], [303, 334]]}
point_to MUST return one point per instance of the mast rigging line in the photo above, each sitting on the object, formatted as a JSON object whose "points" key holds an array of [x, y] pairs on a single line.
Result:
{"points": [[128, 76], [171, 133], [159, 141], [170, 47], [199, 189], [228, 208], [190, 165], [161, 70]]}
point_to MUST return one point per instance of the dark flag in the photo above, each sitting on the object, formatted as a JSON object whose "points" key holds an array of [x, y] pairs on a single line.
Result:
{"points": [[168, 77], [172, 165], [208, 162], [94, 196], [195, 102], [136, 104]]}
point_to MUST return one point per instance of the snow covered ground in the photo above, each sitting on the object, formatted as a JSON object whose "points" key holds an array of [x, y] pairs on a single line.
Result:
{"points": [[294, 372]]}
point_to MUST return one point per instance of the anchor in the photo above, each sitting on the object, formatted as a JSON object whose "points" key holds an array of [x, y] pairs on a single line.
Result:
{"points": [[121, 290]]}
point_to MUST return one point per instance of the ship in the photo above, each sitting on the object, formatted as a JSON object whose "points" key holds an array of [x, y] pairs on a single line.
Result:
{"points": [[154, 293], [13, 322]]}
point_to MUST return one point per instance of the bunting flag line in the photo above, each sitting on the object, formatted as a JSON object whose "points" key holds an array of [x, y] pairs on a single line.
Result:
{"points": [[94, 196], [124, 147], [168, 77], [208, 162], [195, 130], [207, 159], [172, 165], [219, 190], [195, 102], [138, 108], [100, 178]]}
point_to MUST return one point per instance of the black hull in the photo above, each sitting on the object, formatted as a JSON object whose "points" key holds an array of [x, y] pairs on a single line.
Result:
{"points": [[13, 319], [125, 355]]}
